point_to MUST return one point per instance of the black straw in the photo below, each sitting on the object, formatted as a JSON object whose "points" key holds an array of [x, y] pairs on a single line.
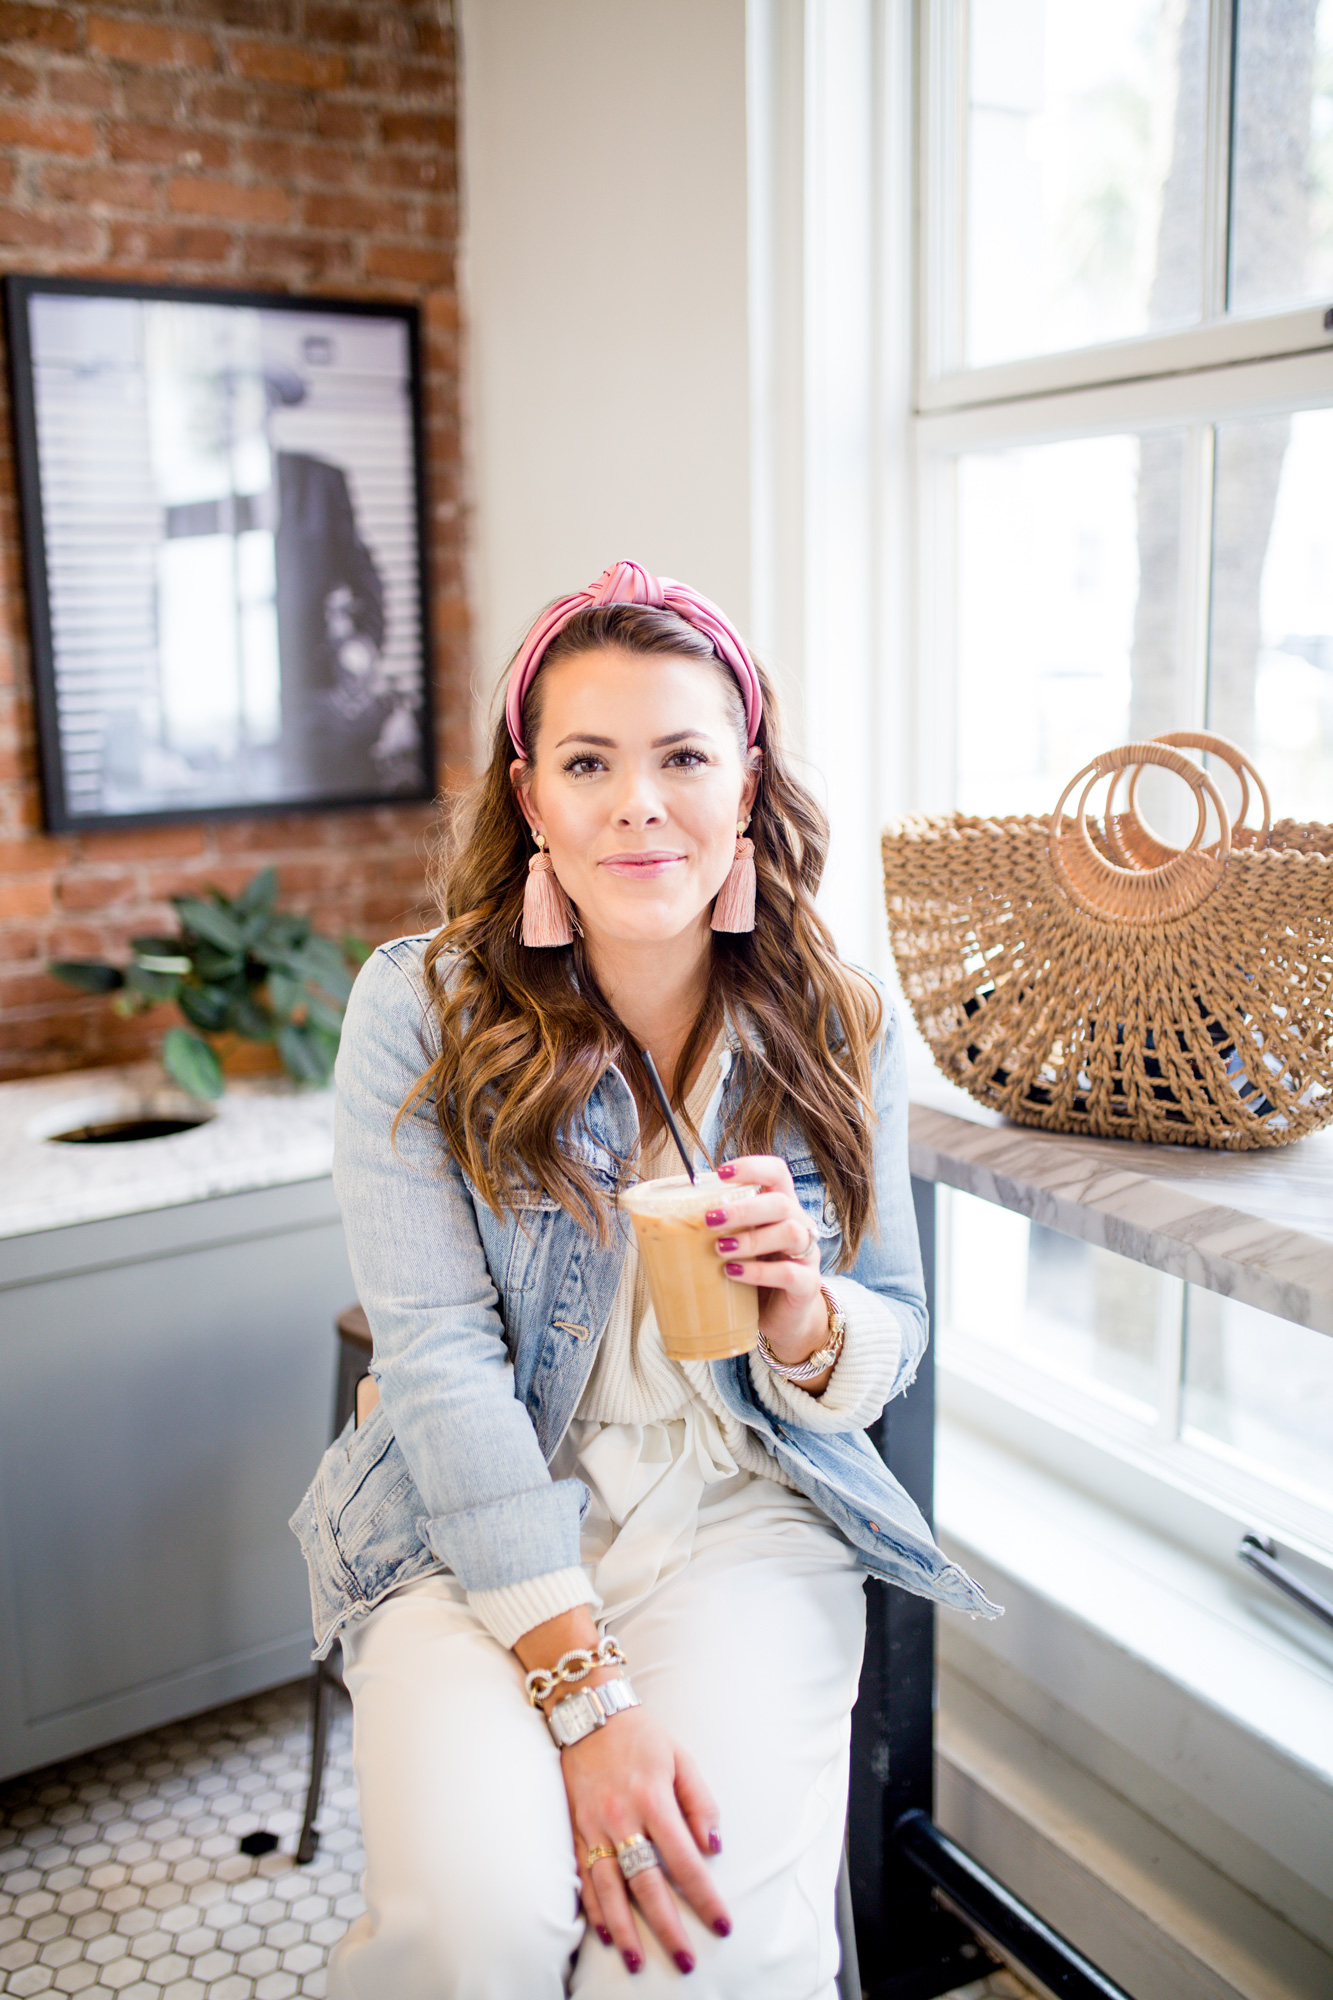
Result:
{"points": [[661, 1096]]}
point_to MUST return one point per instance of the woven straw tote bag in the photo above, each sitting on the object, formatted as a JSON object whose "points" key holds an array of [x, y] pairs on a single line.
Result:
{"points": [[1087, 977]]}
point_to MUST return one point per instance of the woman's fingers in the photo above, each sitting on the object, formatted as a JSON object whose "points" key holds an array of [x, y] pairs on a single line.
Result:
{"points": [[731, 1216], [697, 1804], [588, 1896], [691, 1880], [790, 1237], [660, 1912], [766, 1170], [617, 1916], [771, 1226]]}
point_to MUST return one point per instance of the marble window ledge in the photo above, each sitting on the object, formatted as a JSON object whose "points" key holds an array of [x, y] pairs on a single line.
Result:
{"points": [[1256, 1226]]}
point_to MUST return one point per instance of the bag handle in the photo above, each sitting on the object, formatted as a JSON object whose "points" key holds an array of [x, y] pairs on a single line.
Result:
{"points": [[1102, 888], [1134, 843]]}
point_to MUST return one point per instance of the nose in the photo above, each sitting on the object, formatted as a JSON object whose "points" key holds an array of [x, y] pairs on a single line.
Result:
{"points": [[638, 802]]}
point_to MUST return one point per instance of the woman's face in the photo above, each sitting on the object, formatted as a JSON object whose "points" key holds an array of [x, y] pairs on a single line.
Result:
{"points": [[637, 780]]}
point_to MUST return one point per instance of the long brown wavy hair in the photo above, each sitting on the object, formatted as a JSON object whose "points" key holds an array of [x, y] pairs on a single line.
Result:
{"points": [[525, 1034]]}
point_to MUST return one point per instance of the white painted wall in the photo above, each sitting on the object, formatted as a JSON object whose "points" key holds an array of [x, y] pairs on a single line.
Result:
{"points": [[687, 230], [604, 160]]}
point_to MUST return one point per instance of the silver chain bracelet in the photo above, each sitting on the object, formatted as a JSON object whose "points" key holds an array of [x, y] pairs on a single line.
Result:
{"points": [[570, 1668]]}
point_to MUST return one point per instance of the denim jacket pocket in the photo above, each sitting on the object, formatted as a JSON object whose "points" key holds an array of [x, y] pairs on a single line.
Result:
{"points": [[357, 1526], [534, 1217], [813, 1197]]}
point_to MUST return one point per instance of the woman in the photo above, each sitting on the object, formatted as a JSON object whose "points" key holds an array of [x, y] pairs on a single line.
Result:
{"points": [[543, 1504]]}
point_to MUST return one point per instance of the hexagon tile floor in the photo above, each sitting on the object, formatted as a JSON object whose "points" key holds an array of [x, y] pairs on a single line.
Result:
{"points": [[121, 1879], [120, 1875]]}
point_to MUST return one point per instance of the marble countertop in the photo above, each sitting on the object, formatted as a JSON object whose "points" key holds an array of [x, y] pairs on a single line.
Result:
{"points": [[261, 1133], [1256, 1226]]}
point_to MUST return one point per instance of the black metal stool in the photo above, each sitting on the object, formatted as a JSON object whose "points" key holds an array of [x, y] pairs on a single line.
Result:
{"points": [[354, 1352]]}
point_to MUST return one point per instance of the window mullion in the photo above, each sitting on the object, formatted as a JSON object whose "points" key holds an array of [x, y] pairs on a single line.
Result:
{"points": [[1196, 536], [1217, 160], [942, 156]]}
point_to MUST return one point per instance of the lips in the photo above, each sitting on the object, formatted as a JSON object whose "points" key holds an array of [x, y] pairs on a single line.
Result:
{"points": [[642, 867]]}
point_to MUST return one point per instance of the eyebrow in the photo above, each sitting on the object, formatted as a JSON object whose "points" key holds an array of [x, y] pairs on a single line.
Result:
{"points": [[658, 742]]}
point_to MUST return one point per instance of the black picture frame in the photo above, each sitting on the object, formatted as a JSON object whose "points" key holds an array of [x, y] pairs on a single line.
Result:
{"points": [[327, 629]]}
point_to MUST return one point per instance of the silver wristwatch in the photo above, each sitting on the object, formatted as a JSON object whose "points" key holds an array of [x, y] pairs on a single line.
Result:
{"points": [[590, 1708]]}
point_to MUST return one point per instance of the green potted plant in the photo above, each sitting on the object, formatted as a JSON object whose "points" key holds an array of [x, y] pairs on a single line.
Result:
{"points": [[238, 968]]}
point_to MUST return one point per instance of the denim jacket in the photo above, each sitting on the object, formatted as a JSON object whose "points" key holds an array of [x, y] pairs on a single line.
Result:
{"points": [[486, 1328]]}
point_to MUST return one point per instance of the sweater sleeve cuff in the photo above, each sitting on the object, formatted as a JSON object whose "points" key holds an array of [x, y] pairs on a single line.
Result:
{"points": [[513, 1609], [862, 1377]]}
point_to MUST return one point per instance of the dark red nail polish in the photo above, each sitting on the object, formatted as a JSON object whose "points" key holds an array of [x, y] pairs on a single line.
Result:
{"points": [[633, 1961], [727, 1242], [683, 1960], [715, 1217], [722, 1927], [726, 1171], [734, 1270], [603, 1933], [714, 1841]]}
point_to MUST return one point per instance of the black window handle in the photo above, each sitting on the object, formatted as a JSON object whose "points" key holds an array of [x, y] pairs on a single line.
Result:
{"points": [[1263, 1557]]}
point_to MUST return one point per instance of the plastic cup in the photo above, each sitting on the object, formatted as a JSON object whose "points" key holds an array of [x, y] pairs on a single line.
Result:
{"points": [[702, 1314]]}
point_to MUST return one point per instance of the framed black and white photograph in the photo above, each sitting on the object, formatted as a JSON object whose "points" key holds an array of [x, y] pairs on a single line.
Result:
{"points": [[224, 535]]}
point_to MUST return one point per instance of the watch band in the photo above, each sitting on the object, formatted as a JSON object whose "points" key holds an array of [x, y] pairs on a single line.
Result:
{"points": [[823, 1357], [577, 1715]]}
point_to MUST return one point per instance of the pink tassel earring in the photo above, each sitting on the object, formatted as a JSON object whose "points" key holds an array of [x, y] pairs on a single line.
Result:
{"points": [[547, 918], [734, 908]]}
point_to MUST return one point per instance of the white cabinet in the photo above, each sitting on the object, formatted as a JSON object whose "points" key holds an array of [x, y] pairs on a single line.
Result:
{"points": [[166, 1388]]}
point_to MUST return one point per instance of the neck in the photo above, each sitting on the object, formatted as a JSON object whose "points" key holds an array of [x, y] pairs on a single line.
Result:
{"points": [[656, 989]]}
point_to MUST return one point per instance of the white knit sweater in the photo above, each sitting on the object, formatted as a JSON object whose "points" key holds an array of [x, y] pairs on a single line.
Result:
{"points": [[635, 1382]]}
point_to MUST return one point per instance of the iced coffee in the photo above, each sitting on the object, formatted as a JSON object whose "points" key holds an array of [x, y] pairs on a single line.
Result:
{"points": [[702, 1314]]}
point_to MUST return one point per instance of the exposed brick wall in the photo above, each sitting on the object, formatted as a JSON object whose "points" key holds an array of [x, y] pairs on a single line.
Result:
{"points": [[282, 144]]}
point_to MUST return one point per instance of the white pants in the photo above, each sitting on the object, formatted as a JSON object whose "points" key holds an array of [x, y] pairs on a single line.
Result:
{"points": [[749, 1656]]}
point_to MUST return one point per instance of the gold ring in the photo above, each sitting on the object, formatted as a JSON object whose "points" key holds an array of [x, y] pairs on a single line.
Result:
{"points": [[600, 1854], [811, 1249]]}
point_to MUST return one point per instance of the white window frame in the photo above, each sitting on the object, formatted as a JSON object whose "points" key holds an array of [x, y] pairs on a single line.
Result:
{"points": [[1226, 367]]}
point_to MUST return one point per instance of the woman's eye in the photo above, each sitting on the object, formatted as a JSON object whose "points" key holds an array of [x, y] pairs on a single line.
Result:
{"points": [[687, 759], [578, 767]]}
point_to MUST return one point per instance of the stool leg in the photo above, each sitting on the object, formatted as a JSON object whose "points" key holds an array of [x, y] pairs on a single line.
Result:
{"points": [[321, 1691]]}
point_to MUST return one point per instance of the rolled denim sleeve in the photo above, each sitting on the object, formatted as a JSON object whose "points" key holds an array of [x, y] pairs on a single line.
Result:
{"points": [[888, 1262], [492, 1512]]}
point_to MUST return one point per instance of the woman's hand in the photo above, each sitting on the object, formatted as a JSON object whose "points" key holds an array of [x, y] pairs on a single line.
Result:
{"points": [[629, 1778], [767, 1241]]}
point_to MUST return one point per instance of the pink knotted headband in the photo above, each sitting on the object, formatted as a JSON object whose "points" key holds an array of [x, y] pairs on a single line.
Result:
{"points": [[629, 583]]}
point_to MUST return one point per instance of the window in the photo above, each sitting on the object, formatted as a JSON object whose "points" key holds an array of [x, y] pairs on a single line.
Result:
{"points": [[1124, 453], [1211, 1395]]}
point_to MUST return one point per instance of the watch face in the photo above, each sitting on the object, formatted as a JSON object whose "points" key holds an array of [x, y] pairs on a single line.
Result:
{"points": [[574, 1717]]}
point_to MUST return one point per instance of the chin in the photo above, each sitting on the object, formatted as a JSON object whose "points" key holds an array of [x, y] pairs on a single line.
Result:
{"points": [[645, 922]]}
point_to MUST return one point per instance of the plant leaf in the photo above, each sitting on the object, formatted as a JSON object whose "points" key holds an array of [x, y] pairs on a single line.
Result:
{"points": [[258, 896], [88, 974], [211, 964], [166, 962], [284, 993], [325, 962], [192, 1064], [204, 1006], [323, 1014], [301, 1054], [153, 985], [250, 1020], [155, 947], [282, 934], [354, 948], [212, 922]]}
